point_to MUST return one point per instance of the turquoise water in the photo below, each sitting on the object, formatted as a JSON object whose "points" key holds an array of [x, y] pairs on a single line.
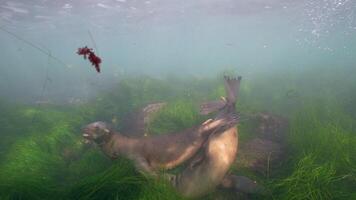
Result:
{"points": [[176, 37]]}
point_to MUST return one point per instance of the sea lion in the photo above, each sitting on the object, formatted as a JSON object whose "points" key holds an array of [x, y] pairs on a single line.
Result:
{"points": [[153, 153], [208, 168]]}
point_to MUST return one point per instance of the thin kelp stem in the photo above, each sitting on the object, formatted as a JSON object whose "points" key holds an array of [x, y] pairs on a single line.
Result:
{"points": [[45, 83], [94, 43], [44, 86], [44, 51]]}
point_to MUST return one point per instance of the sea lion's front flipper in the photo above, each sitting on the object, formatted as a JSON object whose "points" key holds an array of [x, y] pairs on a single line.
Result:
{"points": [[198, 159], [142, 166], [218, 124]]}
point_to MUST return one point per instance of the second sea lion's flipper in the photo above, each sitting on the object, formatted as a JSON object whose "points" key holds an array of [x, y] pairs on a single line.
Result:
{"points": [[198, 159], [219, 124], [212, 106], [142, 166]]}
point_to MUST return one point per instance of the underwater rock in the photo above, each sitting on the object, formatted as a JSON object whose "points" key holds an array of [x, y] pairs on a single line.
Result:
{"points": [[242, 184], [72, 154], [260, 155], [271, 127], [267, 150]]}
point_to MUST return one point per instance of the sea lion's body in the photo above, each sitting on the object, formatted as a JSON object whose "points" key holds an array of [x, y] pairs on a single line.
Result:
{"points": [[208, 168], [156, 152]]}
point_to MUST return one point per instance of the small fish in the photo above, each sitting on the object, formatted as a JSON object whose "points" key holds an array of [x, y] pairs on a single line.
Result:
{"points": [[229, 44], [88, 53], [114, 120]]}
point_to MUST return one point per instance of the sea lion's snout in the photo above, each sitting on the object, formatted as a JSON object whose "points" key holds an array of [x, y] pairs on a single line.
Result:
{"points": [[86, 135]]}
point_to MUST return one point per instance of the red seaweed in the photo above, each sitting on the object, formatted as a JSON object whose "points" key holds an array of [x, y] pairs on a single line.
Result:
{"points": [[89, 53]]}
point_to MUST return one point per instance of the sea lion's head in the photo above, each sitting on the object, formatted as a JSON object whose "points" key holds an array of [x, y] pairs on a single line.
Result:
{"points": [[96, 132]]}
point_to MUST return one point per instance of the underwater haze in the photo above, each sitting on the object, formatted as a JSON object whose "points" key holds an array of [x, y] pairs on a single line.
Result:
{"points": [[199, 38], [297, 59]]}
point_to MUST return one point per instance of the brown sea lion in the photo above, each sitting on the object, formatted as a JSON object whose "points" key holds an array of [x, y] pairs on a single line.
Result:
{"points": [[157, 152], [208, 168]]}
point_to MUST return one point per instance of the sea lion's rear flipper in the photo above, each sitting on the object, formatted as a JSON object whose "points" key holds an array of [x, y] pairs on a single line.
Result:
{"points": [[232, 86]]}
